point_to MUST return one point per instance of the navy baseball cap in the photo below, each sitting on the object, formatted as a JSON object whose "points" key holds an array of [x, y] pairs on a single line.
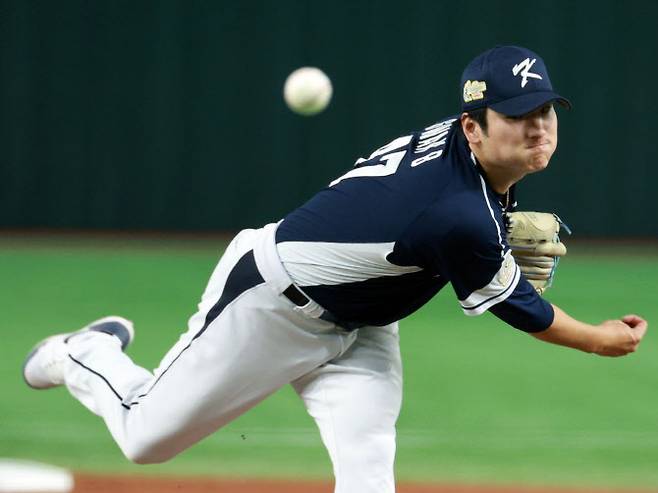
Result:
{"points": [[508, 79]]}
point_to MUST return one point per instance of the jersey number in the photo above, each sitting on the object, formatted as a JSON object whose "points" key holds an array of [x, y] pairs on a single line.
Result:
{"points": [[390, 165]]}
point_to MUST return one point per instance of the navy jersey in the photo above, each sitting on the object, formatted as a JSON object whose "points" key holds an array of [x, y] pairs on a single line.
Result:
{"points": [[417, 214]]}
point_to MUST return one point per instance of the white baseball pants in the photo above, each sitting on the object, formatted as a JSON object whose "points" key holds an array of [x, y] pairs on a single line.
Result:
{"points": [[246, 341]]}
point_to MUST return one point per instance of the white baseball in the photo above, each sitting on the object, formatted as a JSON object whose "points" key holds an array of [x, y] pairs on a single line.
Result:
{"points": [[307, 91]]}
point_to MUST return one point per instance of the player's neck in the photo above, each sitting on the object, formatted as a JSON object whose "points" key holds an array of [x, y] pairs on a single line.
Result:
{"points": [[499, 178]]}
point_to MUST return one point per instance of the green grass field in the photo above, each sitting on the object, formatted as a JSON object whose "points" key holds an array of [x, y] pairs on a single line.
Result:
{"points": [[483, 402]]}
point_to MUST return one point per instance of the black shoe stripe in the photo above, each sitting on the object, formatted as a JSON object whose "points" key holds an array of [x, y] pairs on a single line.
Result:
{"points": [[113, 328]]}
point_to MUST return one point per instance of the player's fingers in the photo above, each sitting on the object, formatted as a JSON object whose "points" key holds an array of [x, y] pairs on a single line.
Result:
{"points": [[640, 329], [638, 324], [631, 319]]}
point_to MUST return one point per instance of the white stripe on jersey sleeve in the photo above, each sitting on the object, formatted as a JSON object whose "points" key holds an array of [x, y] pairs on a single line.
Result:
{"points": [[499, 288], [320, 263]]}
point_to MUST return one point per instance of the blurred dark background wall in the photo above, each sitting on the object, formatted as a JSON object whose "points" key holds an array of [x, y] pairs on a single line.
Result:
{"points": [[169, 115]]}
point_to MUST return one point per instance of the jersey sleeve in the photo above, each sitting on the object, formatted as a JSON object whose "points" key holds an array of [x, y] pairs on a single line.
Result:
{"points": [[524, 309], [471, 252]]}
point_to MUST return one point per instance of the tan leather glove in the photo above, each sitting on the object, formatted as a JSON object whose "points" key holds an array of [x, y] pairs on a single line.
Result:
{"points": [[536, 246]]}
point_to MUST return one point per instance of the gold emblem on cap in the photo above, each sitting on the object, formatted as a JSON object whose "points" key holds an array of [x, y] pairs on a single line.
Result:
{"points": [[474, 90]]}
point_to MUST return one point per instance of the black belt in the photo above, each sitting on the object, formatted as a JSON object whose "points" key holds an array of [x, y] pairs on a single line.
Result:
{"points": [[294, 294]]}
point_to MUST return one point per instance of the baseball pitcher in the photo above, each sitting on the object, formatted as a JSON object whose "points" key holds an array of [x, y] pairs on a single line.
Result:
{"points": [[314, 300]]}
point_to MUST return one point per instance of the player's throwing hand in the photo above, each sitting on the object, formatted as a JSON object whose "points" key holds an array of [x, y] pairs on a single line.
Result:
{"points": [[624, 336], [609, 338]]}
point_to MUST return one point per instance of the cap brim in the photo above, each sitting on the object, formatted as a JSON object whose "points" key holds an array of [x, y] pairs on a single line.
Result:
{"points": [[527, 103]]}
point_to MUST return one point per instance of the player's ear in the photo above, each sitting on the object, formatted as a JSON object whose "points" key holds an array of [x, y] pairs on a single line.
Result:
{"points": [[471, 128]]}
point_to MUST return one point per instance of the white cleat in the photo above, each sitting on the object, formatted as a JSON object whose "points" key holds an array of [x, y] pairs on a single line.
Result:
{"points": [[44, 366]]}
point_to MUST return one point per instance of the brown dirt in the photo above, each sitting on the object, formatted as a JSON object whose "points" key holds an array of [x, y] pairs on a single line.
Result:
{"points": [[87, 483]]}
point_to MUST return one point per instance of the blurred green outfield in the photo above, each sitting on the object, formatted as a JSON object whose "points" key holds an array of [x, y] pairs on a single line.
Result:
{"points": [[483, 402]]}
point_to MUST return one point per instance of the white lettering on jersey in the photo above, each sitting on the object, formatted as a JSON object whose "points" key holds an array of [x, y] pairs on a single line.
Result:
{"points": [[436, 141], [524, 69], [433, 136], [426, 157]]}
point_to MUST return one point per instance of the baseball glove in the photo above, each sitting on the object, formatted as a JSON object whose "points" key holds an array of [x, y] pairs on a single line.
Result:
{"points": [[536, 246]]}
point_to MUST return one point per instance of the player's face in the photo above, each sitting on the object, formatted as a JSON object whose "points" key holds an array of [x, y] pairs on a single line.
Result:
{"points": [[525, 143]]}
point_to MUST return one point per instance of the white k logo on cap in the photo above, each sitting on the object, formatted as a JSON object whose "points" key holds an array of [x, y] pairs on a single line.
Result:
{"points": [[524, 69]]}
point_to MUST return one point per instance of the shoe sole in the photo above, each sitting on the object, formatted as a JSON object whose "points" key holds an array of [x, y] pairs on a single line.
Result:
{"points": [[119, 327]]}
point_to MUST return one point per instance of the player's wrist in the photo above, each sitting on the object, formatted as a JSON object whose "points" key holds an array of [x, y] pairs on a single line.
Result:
{"points": [[614, 338]]}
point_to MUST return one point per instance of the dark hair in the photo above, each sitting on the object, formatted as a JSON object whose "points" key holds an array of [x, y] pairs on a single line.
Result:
{"points": [[480, 116]]}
